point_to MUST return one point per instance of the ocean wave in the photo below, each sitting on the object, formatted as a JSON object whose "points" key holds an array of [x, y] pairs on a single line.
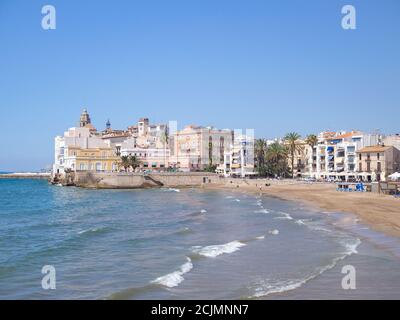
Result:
{"points": [[261, 211], [93, 230], [184, 230], [302, 222], [318, 227], [131, 292], [170, 190], [216, 250], [173, 279], [260, 238], [270, 286], [274, 232], [284, 216], [203, 211]]}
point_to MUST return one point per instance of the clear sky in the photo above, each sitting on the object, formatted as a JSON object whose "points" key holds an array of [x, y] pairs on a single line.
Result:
{"points": [[275, 66]]}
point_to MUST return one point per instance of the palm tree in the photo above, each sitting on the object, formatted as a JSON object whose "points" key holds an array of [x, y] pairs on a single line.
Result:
{"points": [[260, 149], [291, 140], [134, 162], [125, 162], [312, 140], [164, 139], [276, 159]]}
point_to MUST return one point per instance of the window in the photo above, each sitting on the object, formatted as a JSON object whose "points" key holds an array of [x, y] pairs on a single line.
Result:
{"points": [[359, 156], [360, 167], [379, 166], [378, 155]]}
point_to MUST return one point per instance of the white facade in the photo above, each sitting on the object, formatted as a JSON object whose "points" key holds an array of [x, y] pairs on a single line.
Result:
{"points": [[150, 155], [75, 137], [334, 157], [239, 159]]}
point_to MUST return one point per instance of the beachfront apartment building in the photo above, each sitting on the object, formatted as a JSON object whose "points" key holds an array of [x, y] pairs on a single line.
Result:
{"points": [[334, 156], [239, 158], [302, 158], [376, 163], [194, 148]]}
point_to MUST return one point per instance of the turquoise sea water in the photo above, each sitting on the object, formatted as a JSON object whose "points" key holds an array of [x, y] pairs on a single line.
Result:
{"points": [[183, 244]]}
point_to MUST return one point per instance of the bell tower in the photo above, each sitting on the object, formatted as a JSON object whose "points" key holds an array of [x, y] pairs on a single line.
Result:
{"points": [[84, 119]]}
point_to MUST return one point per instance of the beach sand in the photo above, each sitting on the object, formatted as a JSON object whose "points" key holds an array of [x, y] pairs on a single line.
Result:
{"points": [[380, 212]]}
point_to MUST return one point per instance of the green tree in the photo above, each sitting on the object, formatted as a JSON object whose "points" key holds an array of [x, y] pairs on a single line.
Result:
{"points": [[276, 160], [134, 162], [129, 162], [260, 150], [291, 140], [210, 168], [312, 140]]}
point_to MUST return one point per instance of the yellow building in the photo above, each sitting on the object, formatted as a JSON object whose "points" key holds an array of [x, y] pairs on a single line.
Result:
{"points": [[95, 159]]}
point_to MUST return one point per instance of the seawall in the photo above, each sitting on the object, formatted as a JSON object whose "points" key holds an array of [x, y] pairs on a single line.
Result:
{"points": [[27, 175], [121, 180]]}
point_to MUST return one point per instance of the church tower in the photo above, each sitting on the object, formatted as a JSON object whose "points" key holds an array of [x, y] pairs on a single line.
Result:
{"points": [[84, 120]]}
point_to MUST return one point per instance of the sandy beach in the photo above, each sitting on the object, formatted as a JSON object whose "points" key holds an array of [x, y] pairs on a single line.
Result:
{"points": [[380, 212]]}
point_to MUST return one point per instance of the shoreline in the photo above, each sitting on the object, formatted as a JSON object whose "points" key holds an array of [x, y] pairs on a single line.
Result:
{"points": [[380, 212]]}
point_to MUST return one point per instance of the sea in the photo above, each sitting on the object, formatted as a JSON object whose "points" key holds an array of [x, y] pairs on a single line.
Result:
{"points": [[187, 243]]}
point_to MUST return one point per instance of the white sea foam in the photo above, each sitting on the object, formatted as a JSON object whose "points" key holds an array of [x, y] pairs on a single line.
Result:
{"points": [[260, 237], [173, 279], [175, 190], [229, 197], [317, 227], [274, 232], [261, 211], [268, 286], [203, 210], [237, 200], [216, 250], [90, 230], [285, 216]]}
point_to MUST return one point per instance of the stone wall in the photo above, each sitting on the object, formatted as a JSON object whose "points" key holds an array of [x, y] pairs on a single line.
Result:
{"points": [[139, 180]]}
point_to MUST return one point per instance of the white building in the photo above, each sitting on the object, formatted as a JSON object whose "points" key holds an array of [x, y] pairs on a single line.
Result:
{"points": [[151, 155], [239, 159], [334, 157], [77, 147]]}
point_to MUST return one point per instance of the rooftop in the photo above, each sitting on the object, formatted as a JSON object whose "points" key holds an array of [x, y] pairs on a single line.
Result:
{"points": [[374, 149]]}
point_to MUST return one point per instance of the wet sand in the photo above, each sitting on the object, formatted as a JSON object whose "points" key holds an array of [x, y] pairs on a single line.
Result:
{"points": [[380, 212]]}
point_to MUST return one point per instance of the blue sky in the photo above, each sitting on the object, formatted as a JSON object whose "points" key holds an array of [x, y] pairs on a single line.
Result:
{"points": [[275, 66]]}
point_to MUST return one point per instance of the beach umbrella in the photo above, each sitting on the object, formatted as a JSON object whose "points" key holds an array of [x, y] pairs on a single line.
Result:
{"points": [[395, 176]]}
